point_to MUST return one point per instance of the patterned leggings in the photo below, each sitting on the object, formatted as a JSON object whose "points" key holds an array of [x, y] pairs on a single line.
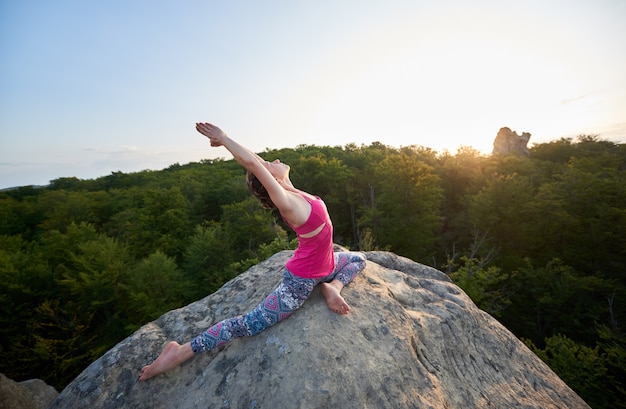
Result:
{"points": [[290, 294]]}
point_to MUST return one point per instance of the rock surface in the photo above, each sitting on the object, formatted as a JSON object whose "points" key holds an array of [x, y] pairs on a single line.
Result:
{"points": [[412, 340], [31, 394], [508, 142]]}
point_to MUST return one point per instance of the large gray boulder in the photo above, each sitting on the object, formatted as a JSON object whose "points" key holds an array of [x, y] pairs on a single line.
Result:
{"points": [[412, 340]]}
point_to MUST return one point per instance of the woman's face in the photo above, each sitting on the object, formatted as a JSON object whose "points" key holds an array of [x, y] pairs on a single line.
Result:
{"points": [[278, 169]]}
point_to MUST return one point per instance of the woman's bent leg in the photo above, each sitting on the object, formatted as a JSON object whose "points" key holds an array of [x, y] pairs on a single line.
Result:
{"points": [[347, 265], [278, 305]]}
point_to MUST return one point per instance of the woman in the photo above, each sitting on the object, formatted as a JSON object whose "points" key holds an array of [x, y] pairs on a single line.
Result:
{"points": [[313, 262]]}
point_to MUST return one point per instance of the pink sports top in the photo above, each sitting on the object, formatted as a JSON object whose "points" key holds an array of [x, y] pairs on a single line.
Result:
{"points": [[314, 256]]}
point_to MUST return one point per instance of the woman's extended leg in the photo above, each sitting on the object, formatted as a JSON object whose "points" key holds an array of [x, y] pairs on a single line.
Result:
{"points": [[278, 305], [173, 355]]}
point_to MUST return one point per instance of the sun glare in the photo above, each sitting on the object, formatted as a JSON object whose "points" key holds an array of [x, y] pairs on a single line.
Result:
{"points": [[443, 91]]}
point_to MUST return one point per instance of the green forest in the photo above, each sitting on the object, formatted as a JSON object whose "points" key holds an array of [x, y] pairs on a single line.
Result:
{"points": [[538, 242]]}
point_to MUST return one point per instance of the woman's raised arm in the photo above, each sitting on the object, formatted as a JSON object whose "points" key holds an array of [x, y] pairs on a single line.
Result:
{"points": [[252, 162], [244, 156]]}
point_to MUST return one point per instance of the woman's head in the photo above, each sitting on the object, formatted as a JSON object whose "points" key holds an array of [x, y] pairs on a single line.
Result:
{"points": [[258, 190]]}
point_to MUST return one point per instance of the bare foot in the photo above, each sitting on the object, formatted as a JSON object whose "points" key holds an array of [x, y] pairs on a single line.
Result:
{"points": [[173, 355], [332, 293]]}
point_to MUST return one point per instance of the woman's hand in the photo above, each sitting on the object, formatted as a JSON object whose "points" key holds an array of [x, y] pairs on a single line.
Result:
{"points": [[215, 134]]}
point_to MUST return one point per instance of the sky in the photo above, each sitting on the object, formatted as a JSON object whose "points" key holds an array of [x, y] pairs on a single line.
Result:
{"points": [[93, 87]]}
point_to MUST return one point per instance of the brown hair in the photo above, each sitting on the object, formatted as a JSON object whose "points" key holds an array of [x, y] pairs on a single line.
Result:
{"points": [[258, 190]]}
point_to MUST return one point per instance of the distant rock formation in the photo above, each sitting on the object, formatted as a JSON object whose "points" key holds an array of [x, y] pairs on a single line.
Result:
{"points": [[412, 340], [31, 394], [508, 142]]}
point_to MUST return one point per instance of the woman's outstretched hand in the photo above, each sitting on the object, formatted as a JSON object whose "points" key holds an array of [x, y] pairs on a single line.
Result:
{"points": [[215, 134]]}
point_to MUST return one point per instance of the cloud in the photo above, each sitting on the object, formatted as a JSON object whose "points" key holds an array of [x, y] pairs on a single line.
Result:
{"points": [[571, 100], [113, 150], [16, 164]]}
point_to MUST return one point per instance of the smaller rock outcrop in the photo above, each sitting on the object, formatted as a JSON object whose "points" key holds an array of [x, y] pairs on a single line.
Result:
{"points": [[31, 394], [508, 142]]}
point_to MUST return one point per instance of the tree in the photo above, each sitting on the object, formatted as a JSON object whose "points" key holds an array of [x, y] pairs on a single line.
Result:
{"points": [[405, 214], [207, 257], [249, 225], [62, 208], [589, 199], [582, 368], [498, 211], [62, 302], [154, 286], [486, 286], [556, 299], [462, 175], [360, 191], [91, 284], [19, 216], [157, 219], [25, 282]]}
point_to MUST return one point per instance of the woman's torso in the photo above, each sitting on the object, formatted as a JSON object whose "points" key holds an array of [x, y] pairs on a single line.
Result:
{"points": [[314, 256]]}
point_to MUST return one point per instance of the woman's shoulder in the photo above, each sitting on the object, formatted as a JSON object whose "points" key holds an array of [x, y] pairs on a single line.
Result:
{"points": [[298, 213], [307, 196]]}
